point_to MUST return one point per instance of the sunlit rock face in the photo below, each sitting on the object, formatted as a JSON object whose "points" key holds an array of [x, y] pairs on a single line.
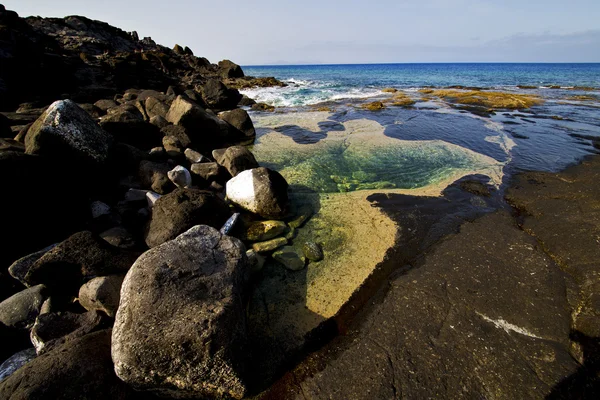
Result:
{"points": [[332, 167]]}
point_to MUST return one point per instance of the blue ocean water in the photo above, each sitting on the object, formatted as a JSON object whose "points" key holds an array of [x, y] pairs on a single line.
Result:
{"points": [[312, 84]]}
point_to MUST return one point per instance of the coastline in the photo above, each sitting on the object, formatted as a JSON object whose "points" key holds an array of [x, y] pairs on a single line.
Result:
{"points": [[370, 347]]}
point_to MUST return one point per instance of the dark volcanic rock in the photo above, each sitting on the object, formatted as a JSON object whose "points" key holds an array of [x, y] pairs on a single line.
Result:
{"points": [[235, 159], [127, 125], [230, 69], [20, 310], [259, 190], [180, 328], [28, 222], [19, 268], [155, 176], [5, 131], [80, 369], [487, 297], [241, 121], [180, 210], [54, 329], [66, 132], [209, 172], [218, 97], [205, 130], [83, 255]]}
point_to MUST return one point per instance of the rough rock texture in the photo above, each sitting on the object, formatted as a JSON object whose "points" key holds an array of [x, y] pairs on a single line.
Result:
{"points": [[65, 131], [218, 97], [230, 69], [89, 59], [235, 159], [19, 268], [488, 298], [186, 291], [53, 329], [205, 130], [241, 121], [259, 190], [21, 309], [208, 171], [154, 175], [81, 369], [83, 255], [312, 251], [102, 293], [180, 210]]}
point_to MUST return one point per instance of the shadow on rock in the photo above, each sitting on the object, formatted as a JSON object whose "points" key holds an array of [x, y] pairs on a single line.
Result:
{"points": [[585, 382]]}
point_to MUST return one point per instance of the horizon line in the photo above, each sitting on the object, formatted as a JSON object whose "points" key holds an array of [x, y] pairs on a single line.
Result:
{"points": [[408, 63]]}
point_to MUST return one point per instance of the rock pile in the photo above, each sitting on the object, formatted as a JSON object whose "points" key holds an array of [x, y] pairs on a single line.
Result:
{"points": [[115, 276]]}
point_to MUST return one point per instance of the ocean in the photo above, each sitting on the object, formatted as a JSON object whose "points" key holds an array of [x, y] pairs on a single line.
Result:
{"points": [[312, 84]]}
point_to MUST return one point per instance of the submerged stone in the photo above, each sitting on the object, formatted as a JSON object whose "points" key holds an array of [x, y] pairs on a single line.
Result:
{"points": [[270, 245], [265, 230], [312, 251], [289, 257]]}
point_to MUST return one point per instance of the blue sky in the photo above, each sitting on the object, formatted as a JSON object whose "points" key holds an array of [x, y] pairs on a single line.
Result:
{"points": [[255, 32]]}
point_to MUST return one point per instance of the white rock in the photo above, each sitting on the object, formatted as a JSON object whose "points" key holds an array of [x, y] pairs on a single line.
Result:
{"points": [[193, 156], [152, 197], [180, 176]]}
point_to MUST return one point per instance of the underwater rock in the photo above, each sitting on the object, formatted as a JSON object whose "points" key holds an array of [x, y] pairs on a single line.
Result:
{"points": [[269, 245], [261, 231], [312, 251], [289, 257]]}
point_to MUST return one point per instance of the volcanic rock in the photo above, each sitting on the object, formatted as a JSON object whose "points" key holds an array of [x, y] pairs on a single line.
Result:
{"points": [[182, 209], [180, 327]]}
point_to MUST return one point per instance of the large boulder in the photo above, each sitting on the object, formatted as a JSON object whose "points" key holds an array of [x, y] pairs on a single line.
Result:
{"points": [[82, 256], [21, 309], [218, 97], [79, 369], [66, 132], [205, 130], [230, 69], [155, 107], [180, 210], [261, 191], [235, 159], [241, 121], [180, 327]]}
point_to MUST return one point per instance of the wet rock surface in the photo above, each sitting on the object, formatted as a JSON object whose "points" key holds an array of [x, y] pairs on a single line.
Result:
{"points": [[496, 294]]}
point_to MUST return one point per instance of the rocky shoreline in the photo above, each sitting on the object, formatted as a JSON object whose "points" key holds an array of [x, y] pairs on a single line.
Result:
{"points": [[129, 216], [148, 254]]}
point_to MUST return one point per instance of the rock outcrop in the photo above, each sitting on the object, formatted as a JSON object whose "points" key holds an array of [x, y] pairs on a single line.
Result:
{"points": [[180, 328]]}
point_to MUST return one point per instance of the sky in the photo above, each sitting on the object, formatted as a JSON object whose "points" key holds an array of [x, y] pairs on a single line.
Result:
{"points": [[268, 32]]}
